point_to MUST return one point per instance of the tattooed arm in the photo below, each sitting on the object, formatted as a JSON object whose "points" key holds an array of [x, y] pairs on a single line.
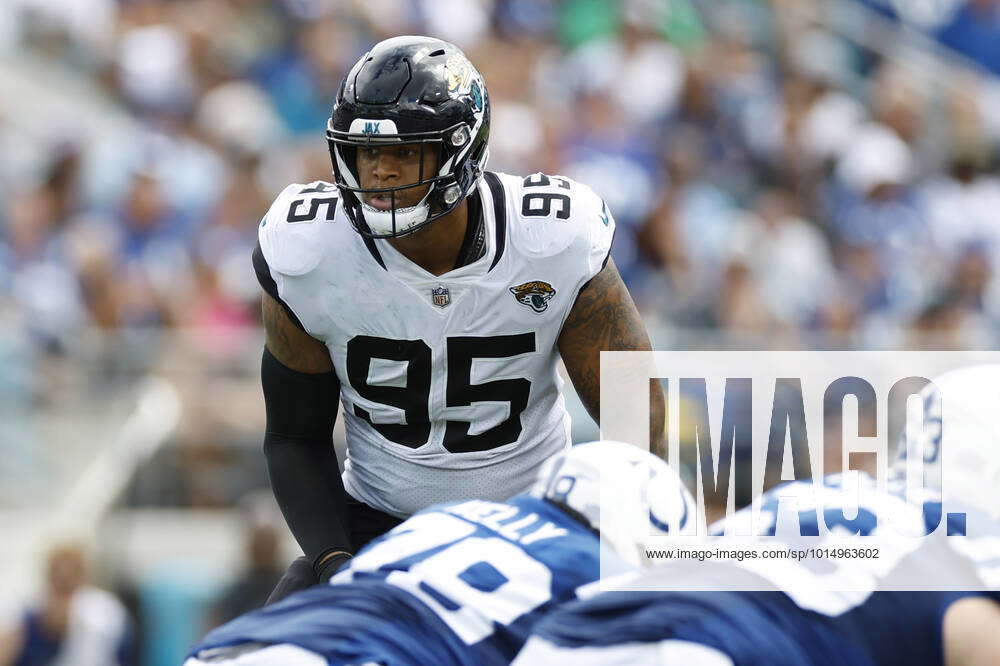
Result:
{"points": [[292, 346], [301, 393], [604, 318]]}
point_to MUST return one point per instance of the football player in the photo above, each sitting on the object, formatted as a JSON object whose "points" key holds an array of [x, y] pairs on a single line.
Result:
{"points": [[463, 583], [433, 299], [807, 619]]}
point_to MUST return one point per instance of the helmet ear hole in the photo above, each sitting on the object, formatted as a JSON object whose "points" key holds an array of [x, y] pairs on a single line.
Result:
{"points": [[460, 136]]}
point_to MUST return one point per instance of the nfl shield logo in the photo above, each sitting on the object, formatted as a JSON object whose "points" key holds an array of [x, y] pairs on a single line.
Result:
{"points": [[440, 296]]}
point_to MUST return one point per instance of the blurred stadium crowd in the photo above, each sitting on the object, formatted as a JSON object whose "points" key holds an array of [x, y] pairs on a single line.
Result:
{"points": [[768, 175], [778, 179]]}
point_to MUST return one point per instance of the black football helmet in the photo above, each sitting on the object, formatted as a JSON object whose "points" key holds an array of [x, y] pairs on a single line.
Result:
{"points": [[410, 90]]}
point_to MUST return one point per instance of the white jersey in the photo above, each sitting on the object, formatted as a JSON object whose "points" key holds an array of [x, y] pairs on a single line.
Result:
{"points": [[448, 383]]}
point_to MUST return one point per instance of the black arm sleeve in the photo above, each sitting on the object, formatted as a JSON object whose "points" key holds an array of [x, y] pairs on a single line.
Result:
{"points": [[301, 462]]}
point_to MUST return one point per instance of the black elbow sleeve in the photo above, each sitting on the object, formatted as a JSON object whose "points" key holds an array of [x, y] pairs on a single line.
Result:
{"points": [[298, 404], [301, 462]]}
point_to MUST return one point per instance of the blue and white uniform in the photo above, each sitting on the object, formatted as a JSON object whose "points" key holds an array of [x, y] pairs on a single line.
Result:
{"points": [[456, 584], [807, 617]]}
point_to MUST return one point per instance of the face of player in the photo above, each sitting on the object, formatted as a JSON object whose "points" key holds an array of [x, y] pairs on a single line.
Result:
{"points": [[395, 166]]}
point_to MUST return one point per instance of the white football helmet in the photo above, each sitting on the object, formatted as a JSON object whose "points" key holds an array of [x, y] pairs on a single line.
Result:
{"points": [[643, 496], [960, 438]]}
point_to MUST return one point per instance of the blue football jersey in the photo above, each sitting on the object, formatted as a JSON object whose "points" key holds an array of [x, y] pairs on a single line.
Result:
{"points": [[778, 623], [456, 584], [750, 628]]}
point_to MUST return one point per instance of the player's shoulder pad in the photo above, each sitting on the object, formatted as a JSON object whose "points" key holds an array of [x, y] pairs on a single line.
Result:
{"points": [[609, 619], [292, 232], [558, 214]]}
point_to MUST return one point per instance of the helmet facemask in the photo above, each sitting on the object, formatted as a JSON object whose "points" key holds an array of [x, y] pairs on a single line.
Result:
{"points": [[445, 187]]}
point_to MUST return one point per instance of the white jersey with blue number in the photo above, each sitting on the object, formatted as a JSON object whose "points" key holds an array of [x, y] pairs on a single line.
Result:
{"points": [[456, 584], [814, 611], [448, 383]]}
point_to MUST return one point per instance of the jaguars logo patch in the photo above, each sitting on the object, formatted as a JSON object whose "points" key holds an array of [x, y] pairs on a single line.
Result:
{"points": [[535, 294]]}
